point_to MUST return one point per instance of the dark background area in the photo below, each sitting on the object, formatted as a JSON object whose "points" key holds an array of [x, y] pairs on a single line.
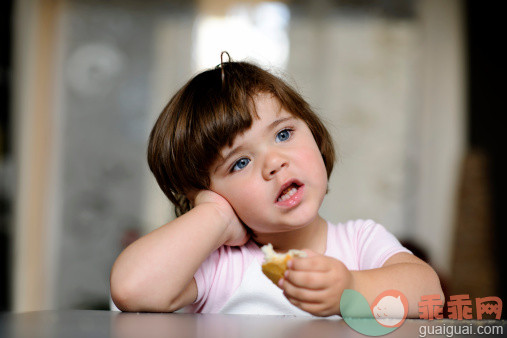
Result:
{"points": [[486, 109], [5, 150]]}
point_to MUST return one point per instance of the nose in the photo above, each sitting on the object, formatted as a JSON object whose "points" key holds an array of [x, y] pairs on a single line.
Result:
{"points": [[273, 163]]}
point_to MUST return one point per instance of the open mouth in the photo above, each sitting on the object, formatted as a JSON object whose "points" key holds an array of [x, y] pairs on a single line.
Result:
{"points": [[288, 190]]}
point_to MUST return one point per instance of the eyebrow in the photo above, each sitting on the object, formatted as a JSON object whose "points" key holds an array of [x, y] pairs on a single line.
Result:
{"points": [[239, 148], [277, 122]]}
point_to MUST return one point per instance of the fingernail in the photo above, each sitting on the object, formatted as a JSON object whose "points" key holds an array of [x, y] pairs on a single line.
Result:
{"points": [[286, 274], [289, 264], [280, 282]]}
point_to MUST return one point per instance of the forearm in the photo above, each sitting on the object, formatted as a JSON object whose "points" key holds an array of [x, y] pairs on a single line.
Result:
{"points": [[412, 279], [152, 271]]}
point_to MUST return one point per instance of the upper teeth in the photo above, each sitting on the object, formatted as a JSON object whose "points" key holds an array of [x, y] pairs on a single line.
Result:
{"points": [[287, 193]]}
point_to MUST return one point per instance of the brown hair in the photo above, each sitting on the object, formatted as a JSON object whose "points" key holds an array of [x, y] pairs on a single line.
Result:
{"points": [[206, 114]]}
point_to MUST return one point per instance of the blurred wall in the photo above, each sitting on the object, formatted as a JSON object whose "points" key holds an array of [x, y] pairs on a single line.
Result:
{"points": [[386, 77], [34, 152], [391, 83]]}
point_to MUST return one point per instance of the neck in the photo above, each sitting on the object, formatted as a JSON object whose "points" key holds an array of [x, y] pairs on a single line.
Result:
{"points": [[312, 236]]}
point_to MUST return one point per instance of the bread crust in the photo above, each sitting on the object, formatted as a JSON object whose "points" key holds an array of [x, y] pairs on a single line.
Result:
{"points": [[275, 264]]}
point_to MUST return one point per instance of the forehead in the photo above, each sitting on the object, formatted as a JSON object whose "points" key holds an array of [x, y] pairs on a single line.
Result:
{"points": [[267, 105], [267, 111]]}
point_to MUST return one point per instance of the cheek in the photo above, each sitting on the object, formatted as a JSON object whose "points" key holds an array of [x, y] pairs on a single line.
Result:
{"points": [[242, 195], [311, 160], [251, 204], [245, 199]]}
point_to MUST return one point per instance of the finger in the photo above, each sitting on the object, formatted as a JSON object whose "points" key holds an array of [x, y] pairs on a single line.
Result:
{"points": [[303, 294], [310, 253], [317, 309], [314, 263], [313, 280]]}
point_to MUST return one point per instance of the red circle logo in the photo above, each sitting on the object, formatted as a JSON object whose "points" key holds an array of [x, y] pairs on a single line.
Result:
{"points": [[390, 308]]}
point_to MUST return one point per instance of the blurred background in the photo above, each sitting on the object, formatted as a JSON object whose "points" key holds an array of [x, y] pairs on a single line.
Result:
{"points": [[408, 88]]}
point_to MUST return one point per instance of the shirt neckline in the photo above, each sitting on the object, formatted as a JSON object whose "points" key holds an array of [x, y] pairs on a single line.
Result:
{"points": [[257, 252]]}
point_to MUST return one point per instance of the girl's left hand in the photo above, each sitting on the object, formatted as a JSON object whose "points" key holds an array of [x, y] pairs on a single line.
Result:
{"points": [[315, 283]]}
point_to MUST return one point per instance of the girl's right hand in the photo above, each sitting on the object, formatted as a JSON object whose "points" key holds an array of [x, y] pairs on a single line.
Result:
{"points": [[235, 231]]}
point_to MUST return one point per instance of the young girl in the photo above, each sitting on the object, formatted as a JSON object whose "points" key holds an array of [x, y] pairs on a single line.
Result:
{"points": [[246, 162]]}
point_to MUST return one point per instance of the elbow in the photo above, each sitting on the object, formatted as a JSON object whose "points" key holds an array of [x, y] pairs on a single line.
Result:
{"points": [[127, 303], [123, 297], [434, 285], [438, 283], [121, 302], [131, 297]]}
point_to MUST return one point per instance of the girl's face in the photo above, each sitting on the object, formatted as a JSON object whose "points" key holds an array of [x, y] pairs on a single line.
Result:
{"points": [[273, 175]]}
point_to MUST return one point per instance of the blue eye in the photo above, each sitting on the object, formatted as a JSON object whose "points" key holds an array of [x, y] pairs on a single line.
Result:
{"points": [[240, 164], [283, 135]]}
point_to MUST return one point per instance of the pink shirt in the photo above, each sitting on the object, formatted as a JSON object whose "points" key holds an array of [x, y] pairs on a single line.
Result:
{"points": [[230, 280]]}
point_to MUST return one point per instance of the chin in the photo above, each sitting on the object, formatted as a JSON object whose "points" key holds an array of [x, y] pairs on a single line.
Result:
{"points": [[297, 218], [300, 219]]}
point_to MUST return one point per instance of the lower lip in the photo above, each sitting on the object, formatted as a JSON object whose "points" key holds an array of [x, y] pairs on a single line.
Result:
{"points": [[294, 200]]}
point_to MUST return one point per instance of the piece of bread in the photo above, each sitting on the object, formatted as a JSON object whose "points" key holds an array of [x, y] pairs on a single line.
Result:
{"points": [[275, 264]]}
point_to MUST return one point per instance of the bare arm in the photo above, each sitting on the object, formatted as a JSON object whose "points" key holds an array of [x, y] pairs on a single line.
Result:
{"points": [[155, 273], [403, 272]]}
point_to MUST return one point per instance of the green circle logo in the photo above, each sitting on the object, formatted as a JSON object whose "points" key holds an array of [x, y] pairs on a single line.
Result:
{"points": [[386, 314]]}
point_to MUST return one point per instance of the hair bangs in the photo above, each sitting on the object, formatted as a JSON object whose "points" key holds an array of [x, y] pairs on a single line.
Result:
{"points": [[217, 127]]}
